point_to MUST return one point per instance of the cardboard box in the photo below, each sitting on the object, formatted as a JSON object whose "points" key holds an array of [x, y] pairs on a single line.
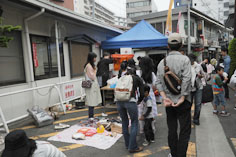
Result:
{"points": [[115, 127]]}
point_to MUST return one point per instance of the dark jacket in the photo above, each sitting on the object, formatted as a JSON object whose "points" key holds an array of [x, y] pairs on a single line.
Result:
{"points": [[103, 67]]}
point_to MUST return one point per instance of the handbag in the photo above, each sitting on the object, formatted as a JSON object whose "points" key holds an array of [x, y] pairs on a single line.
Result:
{"points": [[207, 94], [86, 84], [172, 81]]}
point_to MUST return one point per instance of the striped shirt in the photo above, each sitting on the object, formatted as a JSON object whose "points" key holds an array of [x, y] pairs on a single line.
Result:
{"points": [[45, 149]]}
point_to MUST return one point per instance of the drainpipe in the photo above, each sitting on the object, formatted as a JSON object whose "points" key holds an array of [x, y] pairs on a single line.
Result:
{"points": [[29, 48]]}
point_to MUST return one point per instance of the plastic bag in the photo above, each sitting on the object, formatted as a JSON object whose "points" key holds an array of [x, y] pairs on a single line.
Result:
{"points": [[112, 80], [233, 78]]}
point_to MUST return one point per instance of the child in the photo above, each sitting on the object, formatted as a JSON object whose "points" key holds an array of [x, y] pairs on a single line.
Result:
{"points": [[147, 117], [218, 91]]}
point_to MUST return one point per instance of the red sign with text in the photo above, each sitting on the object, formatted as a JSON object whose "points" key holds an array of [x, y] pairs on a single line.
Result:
{"points": [[69, 91], [36, 62]]}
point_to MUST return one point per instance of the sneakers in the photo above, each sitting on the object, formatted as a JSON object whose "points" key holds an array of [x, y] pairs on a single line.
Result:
{"points": [[215, 112], [170, 155], [152, 141], [235, 107], [61, 126], [146, 143], [224, 114], [139, 149]]}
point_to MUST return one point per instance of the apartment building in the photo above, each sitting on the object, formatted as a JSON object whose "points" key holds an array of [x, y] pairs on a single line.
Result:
{"points": [[101, 13], [217, 9], [135, 8], [121, 21]]}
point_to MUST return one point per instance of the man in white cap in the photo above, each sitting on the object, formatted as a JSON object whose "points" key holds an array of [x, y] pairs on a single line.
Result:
{"points": [[178, 106]]}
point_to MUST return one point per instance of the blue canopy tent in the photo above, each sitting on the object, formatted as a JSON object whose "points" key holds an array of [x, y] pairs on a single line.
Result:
{"points": [[142, 35]]}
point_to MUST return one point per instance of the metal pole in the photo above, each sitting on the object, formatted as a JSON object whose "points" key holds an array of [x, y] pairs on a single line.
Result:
{"points": [[189, 37], [235, 19], [93, 8], [58, 52]]}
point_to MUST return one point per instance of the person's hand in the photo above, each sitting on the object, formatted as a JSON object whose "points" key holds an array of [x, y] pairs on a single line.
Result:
{"points": [[167, 102], [226, 79], [141, 118], [181, 100]]}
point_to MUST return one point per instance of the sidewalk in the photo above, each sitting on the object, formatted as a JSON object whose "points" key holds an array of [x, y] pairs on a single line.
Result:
{"points": [[210, 136]]}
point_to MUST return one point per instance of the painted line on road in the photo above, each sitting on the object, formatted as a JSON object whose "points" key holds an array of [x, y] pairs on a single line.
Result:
{"points": [[66, 120], [191, 152], [70, 147], [68, 112], [233, 140]]}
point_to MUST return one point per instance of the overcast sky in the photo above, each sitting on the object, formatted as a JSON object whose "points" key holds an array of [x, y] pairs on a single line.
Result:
{"points": [[119, 6]]}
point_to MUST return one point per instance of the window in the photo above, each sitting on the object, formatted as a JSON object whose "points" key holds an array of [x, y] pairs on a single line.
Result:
{"points": [[138, 4], [174, 25], [192, 28], [45, 57], [159, 27], [131, 15], [12, 69], [78, 57]]}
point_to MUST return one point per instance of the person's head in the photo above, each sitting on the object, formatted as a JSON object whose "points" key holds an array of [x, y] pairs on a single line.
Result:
{"points": [[207, 60], [139, 58], [175, 42], [18, 144], [192, 58], [123, 68], [224, 51], [131, 70], [219, 70], [91, 59], [131, 63], [147, 68], [106, 55], [146, 90]]}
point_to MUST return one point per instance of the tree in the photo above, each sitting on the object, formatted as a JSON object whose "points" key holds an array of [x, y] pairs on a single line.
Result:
{"points": [[4, 33], [232, 54]]}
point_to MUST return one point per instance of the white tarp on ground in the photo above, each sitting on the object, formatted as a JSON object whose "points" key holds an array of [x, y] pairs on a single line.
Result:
{"points": [[99, 141]]}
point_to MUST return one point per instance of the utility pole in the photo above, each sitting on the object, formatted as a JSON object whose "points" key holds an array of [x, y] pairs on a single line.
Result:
{"points": [[189, 19], [235, 19], [93, 9]]}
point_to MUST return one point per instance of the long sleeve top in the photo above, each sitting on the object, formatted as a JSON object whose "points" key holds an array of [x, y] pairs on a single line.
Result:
{"points": [[90, 72], [181, 66], [227, 61]]}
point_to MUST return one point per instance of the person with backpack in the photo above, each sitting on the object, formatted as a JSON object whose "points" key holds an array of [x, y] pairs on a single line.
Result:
{"points": [[174, 84], [126, 99]]}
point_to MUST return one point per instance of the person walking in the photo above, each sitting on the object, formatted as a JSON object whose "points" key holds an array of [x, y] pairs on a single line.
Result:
{"points": [[149, 78], [227, 61], [103, 69], [178, 106], [130, 108], [93, 94], [197, 87]]}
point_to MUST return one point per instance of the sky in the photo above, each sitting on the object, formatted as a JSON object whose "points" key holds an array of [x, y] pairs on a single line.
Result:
{"points": [[119, 6]]}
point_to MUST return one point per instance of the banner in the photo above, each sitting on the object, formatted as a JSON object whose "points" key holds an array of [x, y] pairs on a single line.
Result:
{"points": [[35, 57], [179, 18], [168, 30]]}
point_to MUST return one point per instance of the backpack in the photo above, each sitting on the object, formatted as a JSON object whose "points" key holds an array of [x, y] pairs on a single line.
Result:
{"points": [[124, 88], [172, 81]]}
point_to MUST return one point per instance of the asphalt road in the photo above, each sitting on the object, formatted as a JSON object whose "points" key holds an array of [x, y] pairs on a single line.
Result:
{"points": [[158, 149]]}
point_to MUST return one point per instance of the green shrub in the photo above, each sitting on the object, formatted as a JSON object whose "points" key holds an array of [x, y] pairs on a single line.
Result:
{"points": [[232, 54]]}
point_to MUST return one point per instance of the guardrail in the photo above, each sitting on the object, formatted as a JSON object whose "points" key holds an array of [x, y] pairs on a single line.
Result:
{"points": [[56, 86]]}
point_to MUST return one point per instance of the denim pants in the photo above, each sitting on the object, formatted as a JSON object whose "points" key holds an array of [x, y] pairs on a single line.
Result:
{"points": [[132, 109], [91, 112], [179, 143], [197, 99]]}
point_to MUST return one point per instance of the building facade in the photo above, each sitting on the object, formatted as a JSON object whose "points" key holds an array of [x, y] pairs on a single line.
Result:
{"points": [[50, 50], [136, 8], [206, 33], [121, 21], [217, 9], [85, 7]]}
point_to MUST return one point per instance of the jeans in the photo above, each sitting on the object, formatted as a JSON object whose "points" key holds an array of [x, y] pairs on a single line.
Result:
{"points": [[132, 109], [197, 97], [148, 130], [179, 143], [91, 112], [219, 99]]}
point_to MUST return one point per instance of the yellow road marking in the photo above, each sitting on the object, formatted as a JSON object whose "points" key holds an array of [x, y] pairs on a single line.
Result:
{"points": [[144, 153], [44, 135], [191, 152], [66, 120], [83, 117], [159, 114], [68, 112], [70, 147], [234, 142]]}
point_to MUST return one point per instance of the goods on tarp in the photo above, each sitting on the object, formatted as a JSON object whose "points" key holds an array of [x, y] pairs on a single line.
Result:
{"points": [[78, 136], [87, 131], [61, 126], [116, 127], [100, 128]]}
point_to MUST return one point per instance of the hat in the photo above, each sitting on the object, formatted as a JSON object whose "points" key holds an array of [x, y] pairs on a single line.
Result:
{"points": [[18, 144], [175, 38]]}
